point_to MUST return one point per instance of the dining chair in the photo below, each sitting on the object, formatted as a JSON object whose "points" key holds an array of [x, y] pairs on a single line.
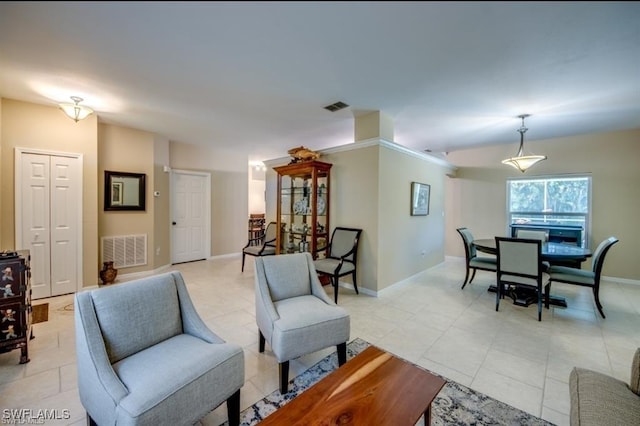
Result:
{"points": [[520, 265], [532, 235], [535, 235], [262, 245], [582, 277], [472, 260], [342, 258]]}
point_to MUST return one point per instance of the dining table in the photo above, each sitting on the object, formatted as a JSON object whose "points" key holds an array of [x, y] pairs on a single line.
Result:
{"points": [[555, 253]]}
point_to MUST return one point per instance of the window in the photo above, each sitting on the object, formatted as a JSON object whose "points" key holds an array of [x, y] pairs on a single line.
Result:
{"points": [[551, 200]]}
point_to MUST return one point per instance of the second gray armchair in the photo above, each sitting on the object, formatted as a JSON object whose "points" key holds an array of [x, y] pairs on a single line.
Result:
{"points": [[294, 313]]}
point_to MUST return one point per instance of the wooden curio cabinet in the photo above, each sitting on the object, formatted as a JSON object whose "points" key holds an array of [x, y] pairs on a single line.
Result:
{"points": [[304, 190]]}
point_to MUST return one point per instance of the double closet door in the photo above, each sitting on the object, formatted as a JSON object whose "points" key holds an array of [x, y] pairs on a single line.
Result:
{"points": [[48, 220]]}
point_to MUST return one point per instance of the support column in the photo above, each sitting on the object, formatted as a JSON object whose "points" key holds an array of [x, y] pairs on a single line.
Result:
{"points": [[374, 125]]}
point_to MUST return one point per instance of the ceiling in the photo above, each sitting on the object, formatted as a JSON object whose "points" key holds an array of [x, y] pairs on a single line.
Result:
{"points": [[255, 76]]}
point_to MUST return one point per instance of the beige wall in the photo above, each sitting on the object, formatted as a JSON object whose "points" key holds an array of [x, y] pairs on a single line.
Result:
{"points": [[229, 192], [122, 149], [410, 243], [370, 190], [476, 198], [27, 125]]}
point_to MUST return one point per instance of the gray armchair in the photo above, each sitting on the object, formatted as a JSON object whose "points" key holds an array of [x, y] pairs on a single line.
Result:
{"points": [[146, 358], [294, 314]]}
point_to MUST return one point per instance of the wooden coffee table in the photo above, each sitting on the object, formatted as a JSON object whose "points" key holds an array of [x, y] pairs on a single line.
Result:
{"points": [[373, 388]]}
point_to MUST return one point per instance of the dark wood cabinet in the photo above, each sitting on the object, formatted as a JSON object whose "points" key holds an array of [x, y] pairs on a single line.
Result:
{"points": [[557, 234], [15, 303]]}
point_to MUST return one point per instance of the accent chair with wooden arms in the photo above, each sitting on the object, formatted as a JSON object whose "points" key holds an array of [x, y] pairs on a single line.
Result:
{"points": [[472, 260], [294, 313], [343, 257], [264, 245], [582, 277], [520, 264], [145, 357]]}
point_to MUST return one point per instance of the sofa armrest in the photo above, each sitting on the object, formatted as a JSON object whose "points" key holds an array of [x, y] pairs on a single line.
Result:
{"points": [[598, 399]]}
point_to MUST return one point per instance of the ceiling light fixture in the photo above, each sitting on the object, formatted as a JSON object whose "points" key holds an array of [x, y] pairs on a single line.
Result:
{"points": [[520, 161], [75, 111]]}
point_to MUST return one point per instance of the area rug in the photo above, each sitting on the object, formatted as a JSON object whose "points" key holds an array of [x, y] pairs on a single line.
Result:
{"points": [[455, 404]]}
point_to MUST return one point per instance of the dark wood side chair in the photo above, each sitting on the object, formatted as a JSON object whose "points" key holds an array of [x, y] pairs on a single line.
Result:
{"points": [[582, 277], [473, 261], [343, 257], [267, 244]]}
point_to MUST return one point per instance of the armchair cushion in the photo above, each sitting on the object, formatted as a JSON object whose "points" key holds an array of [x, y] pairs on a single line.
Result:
{"points": [[307, 324]]}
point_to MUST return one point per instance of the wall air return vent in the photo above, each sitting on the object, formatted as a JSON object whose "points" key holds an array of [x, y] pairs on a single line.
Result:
{"points": [[125, 250], [336, 107]]}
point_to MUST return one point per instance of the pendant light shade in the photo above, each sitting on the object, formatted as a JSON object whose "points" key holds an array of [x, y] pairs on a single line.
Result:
{"points": [[520, 161], [75, 111]]}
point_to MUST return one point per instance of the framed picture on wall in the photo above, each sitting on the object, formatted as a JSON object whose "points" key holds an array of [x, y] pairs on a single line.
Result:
{"points": [[116, 193], [420, 199]]}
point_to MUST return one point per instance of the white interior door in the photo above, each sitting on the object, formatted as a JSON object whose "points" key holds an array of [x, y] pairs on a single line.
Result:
{"points": [[47, 221], [190, 216]]}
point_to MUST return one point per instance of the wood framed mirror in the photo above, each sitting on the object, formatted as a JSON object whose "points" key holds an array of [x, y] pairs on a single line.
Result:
{"points": [[124, 191]]}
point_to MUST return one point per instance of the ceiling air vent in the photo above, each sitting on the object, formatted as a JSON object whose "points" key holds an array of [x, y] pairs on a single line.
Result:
{"points": [[336, 107]]}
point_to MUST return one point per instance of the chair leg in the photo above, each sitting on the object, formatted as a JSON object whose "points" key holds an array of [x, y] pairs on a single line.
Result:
{"points": [[342, 353], [540, 303], [354, 281], [335, 288], [498, 294], [466, 277], [473, 275], [598, 304], [547, 291], [90, 421], [284, 377], [242, 263], [233, 409], [260, 341]]}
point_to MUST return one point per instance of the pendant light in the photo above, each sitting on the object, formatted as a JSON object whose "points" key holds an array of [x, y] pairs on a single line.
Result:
{"points": [[75, 111], [520, 161]]}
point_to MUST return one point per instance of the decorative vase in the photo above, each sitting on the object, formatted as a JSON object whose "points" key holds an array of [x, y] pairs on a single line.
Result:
{"points": [[108, 273]]}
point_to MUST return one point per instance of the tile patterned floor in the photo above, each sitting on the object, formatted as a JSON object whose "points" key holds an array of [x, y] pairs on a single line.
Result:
{"points": [[426, 319]]}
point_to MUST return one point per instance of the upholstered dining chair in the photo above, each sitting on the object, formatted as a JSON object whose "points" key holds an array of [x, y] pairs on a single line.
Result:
{"points": [[581, 277], [294, 313], [264, 245], [342, 259], [532, 234], [145, 357], [535, 235], [520, 265], [472, 260]]}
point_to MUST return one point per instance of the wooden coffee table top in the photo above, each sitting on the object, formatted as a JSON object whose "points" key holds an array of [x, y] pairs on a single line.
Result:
{"points": [[373, 388]]}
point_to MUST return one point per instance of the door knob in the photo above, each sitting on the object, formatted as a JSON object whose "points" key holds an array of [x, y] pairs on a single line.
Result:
{"points": [[173, 223]]}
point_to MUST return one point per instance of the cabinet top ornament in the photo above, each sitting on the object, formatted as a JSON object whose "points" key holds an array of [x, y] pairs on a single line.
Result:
{"points": [[301, 154]]}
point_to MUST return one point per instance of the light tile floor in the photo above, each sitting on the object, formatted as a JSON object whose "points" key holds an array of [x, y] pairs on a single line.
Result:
{"points": [[426, 319]]}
